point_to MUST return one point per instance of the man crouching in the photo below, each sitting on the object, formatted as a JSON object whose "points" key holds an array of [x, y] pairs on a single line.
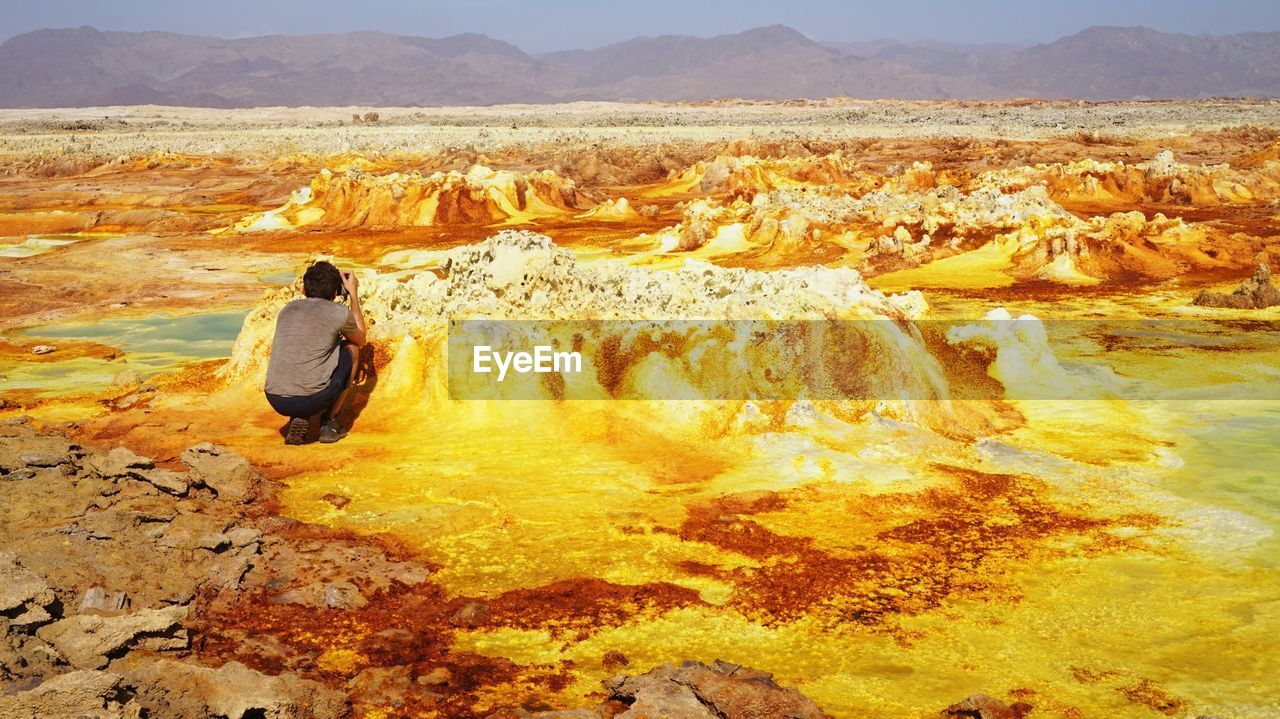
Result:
{"points": [[313, 356]]}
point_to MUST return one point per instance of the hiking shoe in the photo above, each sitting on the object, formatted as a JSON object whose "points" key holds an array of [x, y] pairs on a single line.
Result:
{"points": [[330, 432], [297, 431]]}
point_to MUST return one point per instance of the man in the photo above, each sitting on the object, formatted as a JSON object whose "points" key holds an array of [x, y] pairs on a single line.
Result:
{"points": [[313, 355]]}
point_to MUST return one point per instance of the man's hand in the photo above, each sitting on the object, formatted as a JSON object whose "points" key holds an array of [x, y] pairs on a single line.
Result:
{"points": [[350, 282]]}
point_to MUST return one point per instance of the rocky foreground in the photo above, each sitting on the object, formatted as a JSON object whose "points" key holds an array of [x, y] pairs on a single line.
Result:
{"points": [[114, 558], [116, 569]]}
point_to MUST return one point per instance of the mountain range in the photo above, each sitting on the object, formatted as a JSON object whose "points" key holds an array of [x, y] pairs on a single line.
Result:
{"points": [[82, 67]]}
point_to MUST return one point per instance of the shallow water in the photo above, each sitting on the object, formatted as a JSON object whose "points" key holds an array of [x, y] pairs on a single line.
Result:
{"points": [[33, 245], [1235, 440], [283, 277], [151, 344]]}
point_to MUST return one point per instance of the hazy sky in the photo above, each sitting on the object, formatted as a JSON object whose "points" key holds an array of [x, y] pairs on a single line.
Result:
{"points": [[544, 25]]}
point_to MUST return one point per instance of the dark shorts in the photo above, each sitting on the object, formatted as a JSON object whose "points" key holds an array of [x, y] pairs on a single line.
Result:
{"points": [[320, 401]]}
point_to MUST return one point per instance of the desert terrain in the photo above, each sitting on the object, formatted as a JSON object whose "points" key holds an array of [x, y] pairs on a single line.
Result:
{"points": [[1041, 485]]}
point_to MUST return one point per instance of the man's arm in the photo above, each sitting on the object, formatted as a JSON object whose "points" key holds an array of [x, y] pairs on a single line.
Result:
{"points": [[359, 336]]}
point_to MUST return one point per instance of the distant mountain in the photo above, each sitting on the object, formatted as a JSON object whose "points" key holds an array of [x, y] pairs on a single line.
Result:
{"points": [[1109, 63], [920, 54], [1102, 63], [83, 66], [765, 63], [86, 67]]}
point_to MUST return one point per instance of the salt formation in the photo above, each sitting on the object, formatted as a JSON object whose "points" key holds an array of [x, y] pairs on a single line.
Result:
{"points": [[949, 209], [518, 275], [619, 210], [1024, 359], [1163, 179], [913, 221], [1042, 240], [744, 176], [354, 198], [772, 222], [524, 276]]}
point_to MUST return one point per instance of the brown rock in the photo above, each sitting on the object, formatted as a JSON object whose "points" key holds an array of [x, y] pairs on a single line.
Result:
{"points": [[44, 451], [34, 615], [191, 531], [657, 693], [982, 706], [15, 474], [137, 398], [614, 660], [229, 475], [175, 689], [337, 500], [25, 660], [22, 592], [96, 599], [227, 572], [166, 481], [244, 537], [437, 677], [120, 462], [310, 595], [408, 573], [343, 595], [76, 694], [720, 691], [1255, 293], [383, 686], [86, 640], [472, 614]]}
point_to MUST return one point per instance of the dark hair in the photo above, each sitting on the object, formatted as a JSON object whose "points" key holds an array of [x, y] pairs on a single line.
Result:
{"points": [[321, 280]]}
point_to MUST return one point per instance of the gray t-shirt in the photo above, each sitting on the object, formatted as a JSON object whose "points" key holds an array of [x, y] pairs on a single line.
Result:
{"points": [[305, 350]]}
